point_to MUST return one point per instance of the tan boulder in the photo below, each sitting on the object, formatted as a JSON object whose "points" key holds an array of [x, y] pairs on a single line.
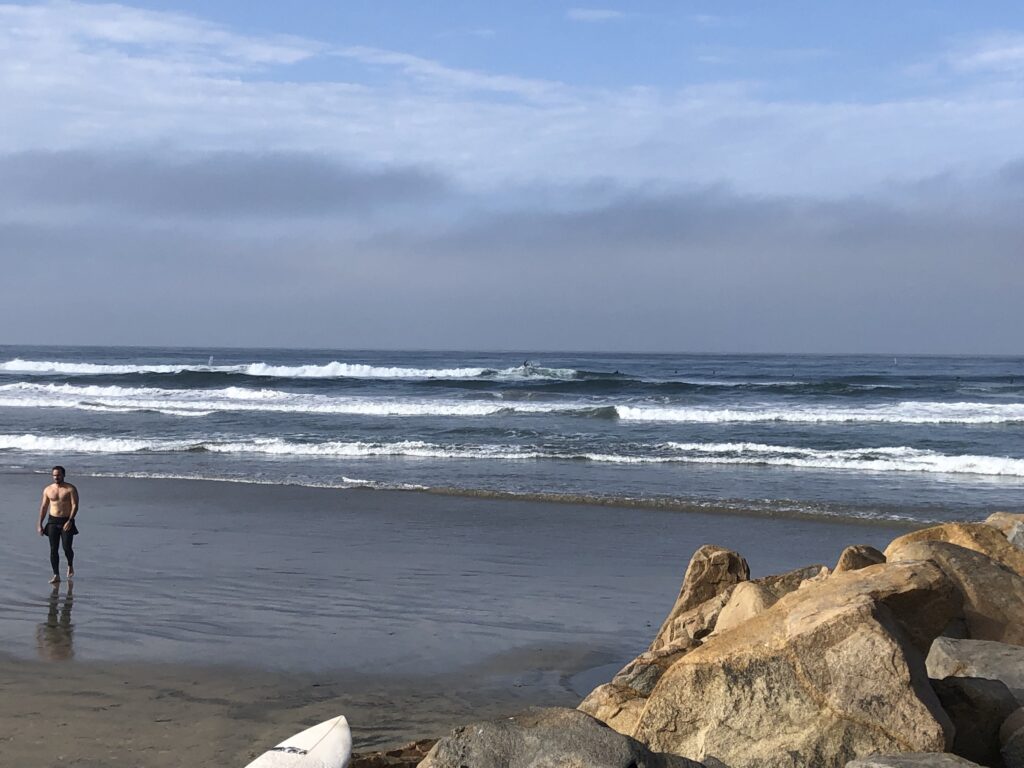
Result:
{"points": [[993, 596], [980, 537], [858, 556], [1011, 525], [620, 702], [712, 571], [831, 672], [747, 600]]}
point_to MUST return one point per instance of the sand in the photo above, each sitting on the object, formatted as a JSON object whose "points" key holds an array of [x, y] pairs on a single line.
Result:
{"points": [[211, 620]]}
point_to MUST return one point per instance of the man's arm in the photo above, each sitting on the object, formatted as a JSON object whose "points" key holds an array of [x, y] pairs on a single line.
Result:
{"points": [[74, 507], [42, 513]]}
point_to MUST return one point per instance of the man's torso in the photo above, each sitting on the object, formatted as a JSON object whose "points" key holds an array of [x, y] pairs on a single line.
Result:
{"points": [[60, 498]]}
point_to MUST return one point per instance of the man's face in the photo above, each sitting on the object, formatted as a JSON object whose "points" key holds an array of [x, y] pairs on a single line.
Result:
{"points": [[58, 476]]}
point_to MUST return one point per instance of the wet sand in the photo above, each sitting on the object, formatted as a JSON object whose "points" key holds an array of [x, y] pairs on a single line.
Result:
{"points": [[217, 618]]}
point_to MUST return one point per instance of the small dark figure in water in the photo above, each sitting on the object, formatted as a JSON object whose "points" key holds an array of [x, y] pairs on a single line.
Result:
{"points": [[57, 520]]}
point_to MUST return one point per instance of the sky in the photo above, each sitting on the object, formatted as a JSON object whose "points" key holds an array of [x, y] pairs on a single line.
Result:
{"points": [[646, 176]]}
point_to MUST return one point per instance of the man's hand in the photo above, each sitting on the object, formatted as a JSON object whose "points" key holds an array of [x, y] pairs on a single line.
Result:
{"points": [[39, 526], [67, 526]]}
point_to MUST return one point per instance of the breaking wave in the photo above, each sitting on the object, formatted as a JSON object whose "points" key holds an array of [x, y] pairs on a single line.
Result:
{"points": [[881, 459]]}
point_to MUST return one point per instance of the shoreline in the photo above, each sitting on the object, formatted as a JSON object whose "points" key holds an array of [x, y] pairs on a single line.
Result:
{"points": [[741, 507]]}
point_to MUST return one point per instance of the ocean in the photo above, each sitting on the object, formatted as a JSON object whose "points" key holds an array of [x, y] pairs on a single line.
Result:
{"points": [[878, 437]]}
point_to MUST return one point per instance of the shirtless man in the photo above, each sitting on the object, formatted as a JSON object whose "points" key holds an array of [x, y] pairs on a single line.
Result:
{"points": [[60, 500]]}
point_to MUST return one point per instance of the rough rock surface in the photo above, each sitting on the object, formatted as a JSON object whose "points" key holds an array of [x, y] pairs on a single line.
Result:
{"points": [[620, 702], [1012, 526], [856, 557], [1011, 736], [747, 600], [783, 583], [979, 658], [711, 572], [545, 738], [830, 672], [913, 760], [993, 595], [977, 708], [406, 756], [980, 537]]}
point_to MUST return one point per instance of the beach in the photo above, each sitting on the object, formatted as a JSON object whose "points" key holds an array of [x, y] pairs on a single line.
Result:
{"points": [[220, 617]]}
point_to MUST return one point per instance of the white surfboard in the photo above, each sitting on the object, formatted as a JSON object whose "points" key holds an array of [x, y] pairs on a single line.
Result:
{"points": [[327, 745]]}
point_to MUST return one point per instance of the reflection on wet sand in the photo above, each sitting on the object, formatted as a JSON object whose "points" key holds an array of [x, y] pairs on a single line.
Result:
{"points": [[54, 636]]}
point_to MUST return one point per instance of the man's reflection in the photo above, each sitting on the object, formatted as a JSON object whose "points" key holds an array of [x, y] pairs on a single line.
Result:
{"points": [[53, 637]]}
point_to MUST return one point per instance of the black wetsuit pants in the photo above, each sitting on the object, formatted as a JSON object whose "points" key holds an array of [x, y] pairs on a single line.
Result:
{"points": [[58, 536]]}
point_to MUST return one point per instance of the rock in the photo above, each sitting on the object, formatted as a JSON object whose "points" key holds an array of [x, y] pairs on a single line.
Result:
{"points": [[993, 595], [1012, 724], [1011, 525], [913, 760], [620, 702], [784, 583], [746, 601], [827, 674], [1011, 737], [979, 658], [858, 556], [711, 572], [545, 738], [980, 537], [406, 756], [977, 708]]}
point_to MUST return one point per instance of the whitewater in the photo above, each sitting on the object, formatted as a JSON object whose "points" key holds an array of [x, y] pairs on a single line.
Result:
{"points": [[865, 436]]}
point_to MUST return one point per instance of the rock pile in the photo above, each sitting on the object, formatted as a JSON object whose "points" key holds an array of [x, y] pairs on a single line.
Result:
{"points": [[911, 657]]}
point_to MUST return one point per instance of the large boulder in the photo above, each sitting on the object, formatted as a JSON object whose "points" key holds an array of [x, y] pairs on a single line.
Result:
{"points": [[711, 573], [831, 672], [993, 595], [977, 708], [913, 760], [858, 556], [980, 537], [545, 738], [950, 657], [1011, 525], [747, 600], [620, 702]]}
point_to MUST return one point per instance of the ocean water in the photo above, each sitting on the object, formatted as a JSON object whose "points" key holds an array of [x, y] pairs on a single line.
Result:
{"points": [[918, 438]]}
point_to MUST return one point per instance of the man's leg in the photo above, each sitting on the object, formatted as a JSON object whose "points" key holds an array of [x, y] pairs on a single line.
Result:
{"points": [[69, 551], [54, 533]]}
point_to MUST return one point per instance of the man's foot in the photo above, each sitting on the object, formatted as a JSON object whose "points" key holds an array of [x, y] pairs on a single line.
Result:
{"points": [[55, 579], [71, 573]]}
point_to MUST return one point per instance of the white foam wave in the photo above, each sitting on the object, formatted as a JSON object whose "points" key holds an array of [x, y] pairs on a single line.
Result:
{"points": [[332, 370], [882, 459], [907, 412], [200, 402]]}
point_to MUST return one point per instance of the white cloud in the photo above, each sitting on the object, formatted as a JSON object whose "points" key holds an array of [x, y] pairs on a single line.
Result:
{"points": [[76, 76], [592, 14], [1002, 53]]}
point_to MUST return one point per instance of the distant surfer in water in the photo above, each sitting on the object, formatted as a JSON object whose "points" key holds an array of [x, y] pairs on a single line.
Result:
{"points": [[57, 521]]}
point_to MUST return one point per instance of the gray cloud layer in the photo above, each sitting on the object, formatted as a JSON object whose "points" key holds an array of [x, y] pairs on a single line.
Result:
{"points": [[206, 185], [930, 267]]}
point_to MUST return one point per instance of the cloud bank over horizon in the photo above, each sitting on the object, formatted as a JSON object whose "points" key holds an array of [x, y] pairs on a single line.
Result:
{"points": [[297, 190]]}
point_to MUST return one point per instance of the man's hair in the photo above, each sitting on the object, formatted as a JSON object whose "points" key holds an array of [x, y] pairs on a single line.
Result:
{"points": [[60, 469]]}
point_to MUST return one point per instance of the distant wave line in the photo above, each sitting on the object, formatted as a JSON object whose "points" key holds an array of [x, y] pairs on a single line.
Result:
{"points": [[331, 370]]}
